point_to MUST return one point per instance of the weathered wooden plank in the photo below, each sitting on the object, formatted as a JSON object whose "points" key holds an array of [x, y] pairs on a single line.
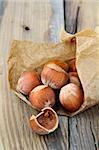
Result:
{"points": [[88, 14], [71, 10], [2, 9], [44, 19], [83, 128]]}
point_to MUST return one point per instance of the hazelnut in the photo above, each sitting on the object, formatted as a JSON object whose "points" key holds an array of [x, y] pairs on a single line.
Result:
{"points": [[73, 40], [73, 78], [45, 122], [72, 65], [42, 96], [59, 63], [71, 97], [54, 76], [75, 74], [28, 81]]}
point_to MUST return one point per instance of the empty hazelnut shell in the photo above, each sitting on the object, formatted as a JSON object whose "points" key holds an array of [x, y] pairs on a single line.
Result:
{"points": [[45, 122], [42, 96], [28, 81], [54, 76]]}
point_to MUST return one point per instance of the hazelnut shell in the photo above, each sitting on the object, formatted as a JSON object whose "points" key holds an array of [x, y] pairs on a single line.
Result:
{"points": [[54, 76], [28, 81], [44, 123], [73, 78], [42, 96], [72, 65], [59, 63], [71, 97], [75, 74]]}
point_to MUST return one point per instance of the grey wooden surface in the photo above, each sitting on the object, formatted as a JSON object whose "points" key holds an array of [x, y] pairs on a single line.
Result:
{"points": [[44, 18]]}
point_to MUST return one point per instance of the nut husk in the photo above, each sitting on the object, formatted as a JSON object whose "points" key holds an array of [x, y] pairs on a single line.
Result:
{"points": [[45, 122], [25, 55]]}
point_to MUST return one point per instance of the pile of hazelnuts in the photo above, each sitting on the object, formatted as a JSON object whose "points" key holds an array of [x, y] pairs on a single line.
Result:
{"points": [[56, 74]]}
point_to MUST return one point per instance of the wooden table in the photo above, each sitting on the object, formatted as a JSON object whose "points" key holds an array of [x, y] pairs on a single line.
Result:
{"points": [[41, 20]]}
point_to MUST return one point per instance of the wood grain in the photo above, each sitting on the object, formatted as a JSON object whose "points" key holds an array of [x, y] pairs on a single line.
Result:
{"points": [[88, 18], [44, 19], [71, 10], [83, 128]]}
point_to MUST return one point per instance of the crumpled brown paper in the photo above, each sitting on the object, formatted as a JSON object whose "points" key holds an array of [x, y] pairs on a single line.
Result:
{"points": [[26, 55], [64, 36]]}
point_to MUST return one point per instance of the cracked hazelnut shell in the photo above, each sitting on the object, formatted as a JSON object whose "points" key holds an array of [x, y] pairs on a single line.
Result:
{"points": [[28, 81], [71, 97], [42, 96], [45, 122], [54, 76]]}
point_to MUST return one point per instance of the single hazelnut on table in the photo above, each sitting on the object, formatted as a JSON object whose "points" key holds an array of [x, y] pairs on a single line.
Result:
{"points": [[42, 96], [73, 78], [72, 65], [54, 76], [45, 122], [71, 97], [28, 81]]}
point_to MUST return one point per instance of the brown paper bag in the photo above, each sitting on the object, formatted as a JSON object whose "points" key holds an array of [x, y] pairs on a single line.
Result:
{"points": [[26, 55]]}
